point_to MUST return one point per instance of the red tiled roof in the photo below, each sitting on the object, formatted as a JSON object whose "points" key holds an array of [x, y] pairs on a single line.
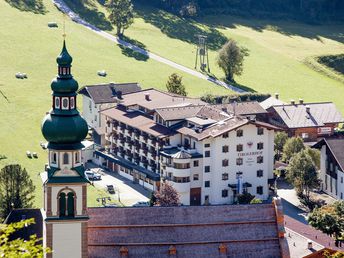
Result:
{"points": [[195, 231]]}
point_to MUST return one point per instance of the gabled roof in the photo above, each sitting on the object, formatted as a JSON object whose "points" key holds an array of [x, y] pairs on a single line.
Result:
{"points": [[152, 99], [178, 113], [243, 108], [271, 101], [107, 93], [336, 146], [18, 215], [320, 114]]}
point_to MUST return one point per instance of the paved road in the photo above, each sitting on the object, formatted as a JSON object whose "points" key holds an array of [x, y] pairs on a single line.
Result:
{"points": [[61, 5], [127, 192]]}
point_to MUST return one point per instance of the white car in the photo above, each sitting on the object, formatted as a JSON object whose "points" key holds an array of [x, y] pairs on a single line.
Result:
{"points": [[92, 175], [141, 204]]}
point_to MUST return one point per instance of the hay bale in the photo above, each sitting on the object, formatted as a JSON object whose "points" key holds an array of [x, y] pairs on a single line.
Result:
{"points": [[102, 73], [52, 24]]}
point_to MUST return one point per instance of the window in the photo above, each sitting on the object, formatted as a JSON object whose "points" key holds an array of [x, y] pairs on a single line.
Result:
{"points": [[259, 173], [196, 163], [341, 180], [66, 204], [54, 158], [72, 102], [225, 163], [260, 131], [259, 189], [341, 195], [305, 135], [207, 169], [64, 103], [181, 165], [225, 149], [207, 184], [239, 161], [195, 177], [260, 159], [224, 193], [225, 135], [225, 176], [65, 158], [181, 179], [207, 145], [260, 146], [57, 102], [207, 154], [240, 147], [240, 133], [77, 160], [95, 118]]}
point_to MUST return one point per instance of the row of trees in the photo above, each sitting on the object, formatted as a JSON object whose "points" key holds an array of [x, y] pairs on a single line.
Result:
{"points": [[307, 10]]}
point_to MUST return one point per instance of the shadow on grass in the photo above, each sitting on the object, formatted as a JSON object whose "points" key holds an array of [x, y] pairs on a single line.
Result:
{"points": [[34, 6], [133, 52], [180, 28], [288, 28], [240, 86], [88, 11]]}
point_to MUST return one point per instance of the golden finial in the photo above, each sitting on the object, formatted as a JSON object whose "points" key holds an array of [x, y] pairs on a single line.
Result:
{"points": [[64, 26]]}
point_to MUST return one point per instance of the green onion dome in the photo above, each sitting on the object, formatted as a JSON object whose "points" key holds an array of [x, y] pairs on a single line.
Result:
{"points": [[64, 129], [63, 125], [64, 59], [60, 85]]}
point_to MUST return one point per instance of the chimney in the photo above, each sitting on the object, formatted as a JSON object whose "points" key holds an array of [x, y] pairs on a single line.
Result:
{"points": [[308, 109], [292, 102], [301, 101], [276, 95], [147, 96]]}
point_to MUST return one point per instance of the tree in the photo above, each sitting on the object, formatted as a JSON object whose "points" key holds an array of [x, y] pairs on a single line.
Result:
{"points": [[291, 147], [315, 155], [256, 201], [16, 189], [302, 173], [329, 219], [245, 198], [230, 59], [152, 199], [175, 85], [121, 14], [167, 196], [19, 247], [280, 140]]}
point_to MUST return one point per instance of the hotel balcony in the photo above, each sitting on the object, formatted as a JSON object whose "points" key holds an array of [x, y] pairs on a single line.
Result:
{"points": [[178, 172]]}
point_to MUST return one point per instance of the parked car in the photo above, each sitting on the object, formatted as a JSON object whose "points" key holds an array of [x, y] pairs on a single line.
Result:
{"points": [[141, 204], [92, 175], [111, 189]]}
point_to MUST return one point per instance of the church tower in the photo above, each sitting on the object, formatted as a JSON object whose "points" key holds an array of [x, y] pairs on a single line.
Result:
{"points": [[65, 190]]}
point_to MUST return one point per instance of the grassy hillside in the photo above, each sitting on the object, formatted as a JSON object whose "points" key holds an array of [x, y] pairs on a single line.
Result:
{"points": [[28, 45], [280, 51]]}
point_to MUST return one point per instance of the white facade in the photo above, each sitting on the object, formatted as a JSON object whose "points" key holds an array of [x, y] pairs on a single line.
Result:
{"points": [[329, 183], [213, 174], [67, 239]]}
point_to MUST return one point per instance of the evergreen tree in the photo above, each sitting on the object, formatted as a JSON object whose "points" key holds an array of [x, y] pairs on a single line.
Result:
{"points": [[16, 189], [121, 14], [291, 147], [175, 85], [230, 59], [167, 196]]}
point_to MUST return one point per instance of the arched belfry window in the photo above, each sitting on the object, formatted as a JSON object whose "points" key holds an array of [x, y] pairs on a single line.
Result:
{"points": [[65, 158], [66, 202], [72, 102], [57, 102], [65, 104], [54, 158]]}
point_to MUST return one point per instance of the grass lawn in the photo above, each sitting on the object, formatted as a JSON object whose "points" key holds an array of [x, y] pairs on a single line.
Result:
{"points": [[280, 51], [28, 45]]}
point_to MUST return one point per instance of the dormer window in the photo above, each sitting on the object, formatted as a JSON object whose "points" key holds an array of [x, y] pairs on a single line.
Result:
{"points": [[57, 102], [65, 104]]}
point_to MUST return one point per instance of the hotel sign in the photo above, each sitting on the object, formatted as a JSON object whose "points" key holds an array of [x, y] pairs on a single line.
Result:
{"points": [[251, 153]]}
